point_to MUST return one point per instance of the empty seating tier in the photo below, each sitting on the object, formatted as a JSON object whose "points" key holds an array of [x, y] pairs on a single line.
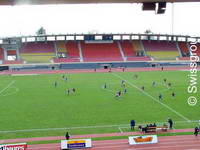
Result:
{"points": [[163, 55], [72, 49], [38, 47], [61, 47], [12, 62], [101, 52], [40, 52], [128, 49], [137, 46], [37, 57], [184, 49], [161, 50], [143, 58]]}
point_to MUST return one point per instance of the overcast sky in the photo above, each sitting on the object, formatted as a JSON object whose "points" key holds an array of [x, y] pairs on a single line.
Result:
{"points": [[101, 18]]}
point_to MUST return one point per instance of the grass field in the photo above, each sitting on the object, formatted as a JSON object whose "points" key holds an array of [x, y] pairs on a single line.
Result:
{"points": [[34, 107]]}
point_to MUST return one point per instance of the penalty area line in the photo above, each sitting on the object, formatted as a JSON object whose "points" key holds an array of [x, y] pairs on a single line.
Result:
{"points": [[120, 130], [153, 98], [11, 83]]}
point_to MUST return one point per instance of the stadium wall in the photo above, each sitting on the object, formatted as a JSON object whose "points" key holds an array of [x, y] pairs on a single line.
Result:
{"points": [[96, 65]]}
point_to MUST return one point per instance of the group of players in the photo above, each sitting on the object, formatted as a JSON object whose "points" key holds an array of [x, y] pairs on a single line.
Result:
{"points": [[119, 93], [68, 90]]}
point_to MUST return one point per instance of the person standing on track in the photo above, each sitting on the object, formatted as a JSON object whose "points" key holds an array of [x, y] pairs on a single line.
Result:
{"points": [[196, 131], [170, 123], [67, 136]]}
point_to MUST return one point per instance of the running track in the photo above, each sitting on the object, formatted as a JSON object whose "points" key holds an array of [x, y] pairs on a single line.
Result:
{"points": [[188, 142]]}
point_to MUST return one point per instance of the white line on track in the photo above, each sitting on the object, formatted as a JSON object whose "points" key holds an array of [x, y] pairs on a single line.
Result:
{"points": [[166, 147], [11, 83], [153, 98], [44, 147]]}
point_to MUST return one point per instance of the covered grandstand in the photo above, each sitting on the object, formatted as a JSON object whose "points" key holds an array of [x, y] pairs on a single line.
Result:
{"points": [[139, 47]]}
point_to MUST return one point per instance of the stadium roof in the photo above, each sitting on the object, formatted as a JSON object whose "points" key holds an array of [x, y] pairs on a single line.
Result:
{"points": [[33, 2]]}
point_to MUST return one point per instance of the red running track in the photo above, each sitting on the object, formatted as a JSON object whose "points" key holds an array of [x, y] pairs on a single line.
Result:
{"points": [[21, 140], [188, 142]]}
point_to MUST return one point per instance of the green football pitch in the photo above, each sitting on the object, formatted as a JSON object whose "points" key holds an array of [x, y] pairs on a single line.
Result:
{"points": [[30, 105]]}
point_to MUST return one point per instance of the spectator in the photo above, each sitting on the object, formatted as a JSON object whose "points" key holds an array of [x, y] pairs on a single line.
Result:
{"points": [[144, 130], [196, 131], [170, 123], [67, 136], [132, 123], [140, 127]]}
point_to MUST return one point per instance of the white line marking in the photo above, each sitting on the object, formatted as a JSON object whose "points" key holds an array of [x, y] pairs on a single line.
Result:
{"points": [[14, 91], [67, 128], [24, 74], [84, 127], [120, 130], [153, 98], [11, 83]]}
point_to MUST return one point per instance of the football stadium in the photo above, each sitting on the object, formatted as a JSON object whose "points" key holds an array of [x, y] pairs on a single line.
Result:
{"points": [[99, 90]]}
